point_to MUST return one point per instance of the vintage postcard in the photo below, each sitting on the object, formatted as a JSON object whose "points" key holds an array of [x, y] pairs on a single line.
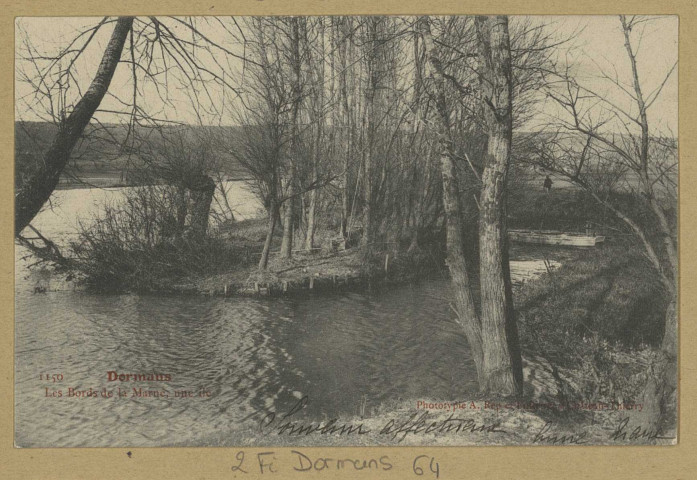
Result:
{"points": [[312, 230]]}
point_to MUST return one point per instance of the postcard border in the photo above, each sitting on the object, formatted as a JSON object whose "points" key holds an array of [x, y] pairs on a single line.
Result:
{"points": [[621, 462]]}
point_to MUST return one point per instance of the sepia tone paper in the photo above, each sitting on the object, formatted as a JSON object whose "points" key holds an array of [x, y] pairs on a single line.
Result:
{"points": [[402, 461]]}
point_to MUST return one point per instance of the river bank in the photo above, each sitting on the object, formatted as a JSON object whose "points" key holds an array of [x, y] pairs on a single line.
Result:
{"points": [[317, 270], [321, 270]]}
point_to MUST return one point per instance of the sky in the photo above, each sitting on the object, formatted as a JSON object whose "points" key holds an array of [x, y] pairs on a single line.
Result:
{"points": [[597, 47]]}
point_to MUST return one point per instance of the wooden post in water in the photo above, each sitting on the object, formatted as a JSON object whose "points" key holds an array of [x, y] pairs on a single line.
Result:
{"points": [[387, 261], [312, 282]]}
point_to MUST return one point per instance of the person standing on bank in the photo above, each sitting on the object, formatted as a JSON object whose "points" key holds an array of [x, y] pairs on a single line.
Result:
{"points": [[548, 184]]}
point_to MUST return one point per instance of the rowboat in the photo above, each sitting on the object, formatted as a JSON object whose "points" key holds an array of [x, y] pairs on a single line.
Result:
{"points": [[549, 237]]}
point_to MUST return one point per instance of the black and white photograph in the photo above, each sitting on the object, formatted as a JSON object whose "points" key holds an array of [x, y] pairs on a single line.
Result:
{"points": [[439, 230]]}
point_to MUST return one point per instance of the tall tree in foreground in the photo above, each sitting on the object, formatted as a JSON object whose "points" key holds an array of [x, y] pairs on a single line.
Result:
{"points": [[38, 188], [502, 366], [461, 284], [488, 335]]}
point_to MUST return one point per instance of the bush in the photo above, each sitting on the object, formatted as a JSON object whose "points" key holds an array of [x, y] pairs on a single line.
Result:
{"points": [[139, 245]]}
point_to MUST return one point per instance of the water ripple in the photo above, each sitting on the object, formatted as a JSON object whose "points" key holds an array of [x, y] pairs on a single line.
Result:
{"points": [[253, 355]]}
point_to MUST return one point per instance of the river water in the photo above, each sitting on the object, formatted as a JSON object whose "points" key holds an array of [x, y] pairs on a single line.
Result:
{"points": [[234, 357]]}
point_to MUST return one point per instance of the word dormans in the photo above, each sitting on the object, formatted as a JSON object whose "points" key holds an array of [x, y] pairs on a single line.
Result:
{"points": [[113, 376]]}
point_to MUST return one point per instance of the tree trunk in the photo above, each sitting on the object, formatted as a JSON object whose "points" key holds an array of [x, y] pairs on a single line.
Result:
{"points": [[287, 240], [345, 191], [455, 254], [667, 236], [181, 206], [296, 89], [311, 212], [455, 257], [273, 214], [499, 330], [410, 172], [348, 136], [316, 158], [38, 188], [202, 192], [371, 91], [367, 238], [660, 392], [659, 398]]}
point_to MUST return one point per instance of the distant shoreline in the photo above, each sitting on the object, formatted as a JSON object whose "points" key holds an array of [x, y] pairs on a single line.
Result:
{"points": [[99, 182]]}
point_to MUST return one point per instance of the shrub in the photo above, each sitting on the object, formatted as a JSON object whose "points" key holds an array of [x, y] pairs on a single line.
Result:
{"points": [[138, 244]]}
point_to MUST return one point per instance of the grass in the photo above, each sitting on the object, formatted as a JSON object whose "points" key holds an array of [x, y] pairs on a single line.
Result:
{"points": [[608, 291], [598, 319], [596, 322]]}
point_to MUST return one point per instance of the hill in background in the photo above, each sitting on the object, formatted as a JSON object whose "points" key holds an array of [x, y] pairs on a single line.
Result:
{"points": [[100, 158]]}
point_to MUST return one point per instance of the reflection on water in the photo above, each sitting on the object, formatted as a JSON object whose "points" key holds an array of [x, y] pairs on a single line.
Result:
{"points": [[251, 354]]}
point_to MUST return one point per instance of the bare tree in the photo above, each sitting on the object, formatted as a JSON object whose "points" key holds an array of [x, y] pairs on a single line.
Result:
{"points": [[491, 335], [373, 44], [36, 190], [456, 259], [502, 365], [183, 158], [297, 32], [262, 149], [345, 50], [157, 59], [316, 62], [611, 152]]}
